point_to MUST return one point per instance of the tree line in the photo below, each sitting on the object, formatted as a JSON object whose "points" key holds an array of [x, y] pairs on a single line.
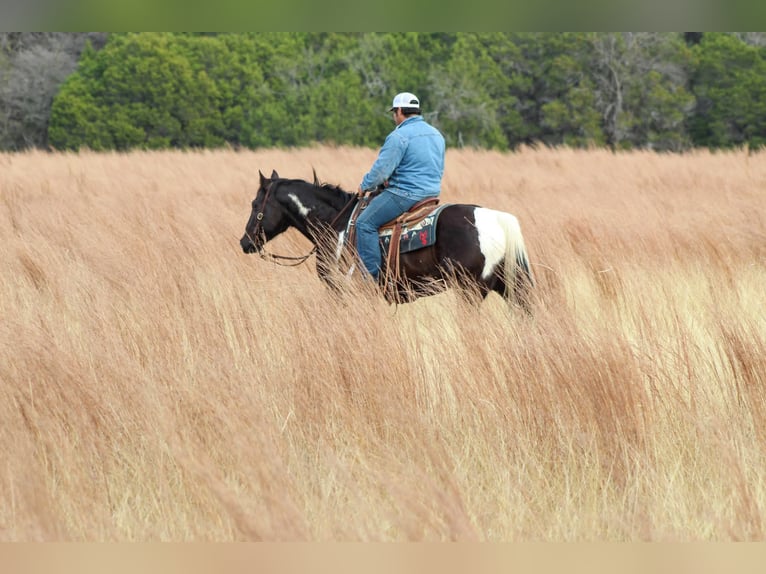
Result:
{"points": [[640, 90]]}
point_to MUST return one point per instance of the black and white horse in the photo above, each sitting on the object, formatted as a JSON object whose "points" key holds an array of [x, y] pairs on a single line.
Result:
{"points": [[476, 248]]}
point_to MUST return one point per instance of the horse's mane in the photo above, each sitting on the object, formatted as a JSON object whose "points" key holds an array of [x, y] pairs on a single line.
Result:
{"points": [[335, 193], [325, 185], [330, 186]]}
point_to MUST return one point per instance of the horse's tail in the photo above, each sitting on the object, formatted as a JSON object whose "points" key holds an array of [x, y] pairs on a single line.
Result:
{"points": [[516, 272]]}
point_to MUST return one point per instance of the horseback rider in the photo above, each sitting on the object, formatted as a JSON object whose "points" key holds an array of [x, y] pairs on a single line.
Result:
{"points": [[410, 165]]}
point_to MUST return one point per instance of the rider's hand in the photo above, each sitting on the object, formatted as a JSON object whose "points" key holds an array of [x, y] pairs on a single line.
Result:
{"points": [[360, 191]]}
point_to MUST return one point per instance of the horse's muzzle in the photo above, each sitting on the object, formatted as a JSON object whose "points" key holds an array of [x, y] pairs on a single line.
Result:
{"points": [[247, 245]]}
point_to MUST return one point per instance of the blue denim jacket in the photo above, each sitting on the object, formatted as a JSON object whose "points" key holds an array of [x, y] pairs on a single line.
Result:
{"points": [[411, 159]]}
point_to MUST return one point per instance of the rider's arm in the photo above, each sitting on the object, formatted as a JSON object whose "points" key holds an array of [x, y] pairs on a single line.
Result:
{"points": [[388, 159]]}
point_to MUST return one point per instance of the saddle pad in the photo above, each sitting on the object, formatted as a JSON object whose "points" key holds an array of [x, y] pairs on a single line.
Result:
{"points": [[414, 236]]}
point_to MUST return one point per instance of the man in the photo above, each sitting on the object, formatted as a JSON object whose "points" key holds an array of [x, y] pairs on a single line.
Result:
{"points": [[410, 165]]}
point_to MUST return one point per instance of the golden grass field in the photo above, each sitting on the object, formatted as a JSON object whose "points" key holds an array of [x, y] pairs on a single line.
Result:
{"points": [[156, 384]]}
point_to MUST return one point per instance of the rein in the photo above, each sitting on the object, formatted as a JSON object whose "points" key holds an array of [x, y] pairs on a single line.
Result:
{"points": [[276, 258]]}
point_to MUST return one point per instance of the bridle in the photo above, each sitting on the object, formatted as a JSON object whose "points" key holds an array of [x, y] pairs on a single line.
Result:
{"points": [[274, 257]]}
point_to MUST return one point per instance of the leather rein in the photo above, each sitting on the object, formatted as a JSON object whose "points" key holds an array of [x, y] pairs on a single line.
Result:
{"points": [[276, 258]]}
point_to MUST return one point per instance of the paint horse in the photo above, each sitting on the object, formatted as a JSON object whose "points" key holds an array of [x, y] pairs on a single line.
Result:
{"points": [[476, 249]]}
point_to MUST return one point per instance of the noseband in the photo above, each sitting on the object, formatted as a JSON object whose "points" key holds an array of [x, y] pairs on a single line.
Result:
{"points": [[259, 215]]}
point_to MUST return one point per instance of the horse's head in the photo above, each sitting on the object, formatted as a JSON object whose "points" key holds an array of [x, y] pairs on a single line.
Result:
{"points": [[267, 218]]}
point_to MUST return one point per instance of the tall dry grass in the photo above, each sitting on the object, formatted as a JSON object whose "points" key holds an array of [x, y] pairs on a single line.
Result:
{"points": [[158, 384]]}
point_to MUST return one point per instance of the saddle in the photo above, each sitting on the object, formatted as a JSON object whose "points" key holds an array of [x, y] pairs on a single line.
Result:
{"points": [[414, 215], [410, 218]]}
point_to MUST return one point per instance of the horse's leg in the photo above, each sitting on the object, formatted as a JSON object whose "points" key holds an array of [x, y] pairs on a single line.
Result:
{"points": [[498, 285], [481, 291], [329, 271], [522, 289], [469, 285]]}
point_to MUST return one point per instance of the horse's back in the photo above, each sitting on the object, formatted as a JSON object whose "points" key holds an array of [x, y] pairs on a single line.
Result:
{"points": [[456, 225]]}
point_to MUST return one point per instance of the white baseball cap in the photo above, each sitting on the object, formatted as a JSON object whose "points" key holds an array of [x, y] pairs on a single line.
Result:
{"points": [[405, 100]]}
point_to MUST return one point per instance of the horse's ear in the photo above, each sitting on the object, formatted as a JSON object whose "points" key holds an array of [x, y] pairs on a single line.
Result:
{"points": [[263, 178], [316, 179], [274, 174]]}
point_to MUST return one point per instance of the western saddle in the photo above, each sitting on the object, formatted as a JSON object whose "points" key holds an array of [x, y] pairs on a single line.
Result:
{"points": [[415, 214]]}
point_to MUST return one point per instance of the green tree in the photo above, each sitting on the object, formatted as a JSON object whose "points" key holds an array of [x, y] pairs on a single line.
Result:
{"points": [[142, 90], [495, 90], [464, 109], [552, 92], [378, 60], [640, 84], [730, 86]]}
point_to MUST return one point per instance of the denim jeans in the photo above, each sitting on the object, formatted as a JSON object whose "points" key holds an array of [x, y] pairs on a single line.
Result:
{"points": [[381, 210]]}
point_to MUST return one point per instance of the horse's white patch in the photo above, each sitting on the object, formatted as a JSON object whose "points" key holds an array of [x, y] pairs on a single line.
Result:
{"points": [[339, 247], [302, 209], [339, 253], [492, 238]]}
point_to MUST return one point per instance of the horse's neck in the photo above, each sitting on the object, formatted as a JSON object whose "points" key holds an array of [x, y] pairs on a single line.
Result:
{"points": [[331, 213], [337, 210]]}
